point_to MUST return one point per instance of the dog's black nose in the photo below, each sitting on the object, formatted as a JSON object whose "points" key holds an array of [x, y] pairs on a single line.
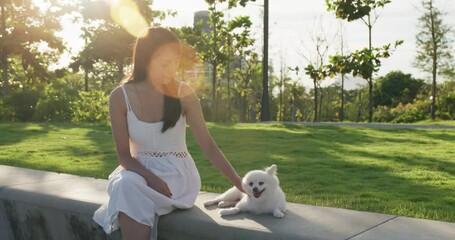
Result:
{"points": [[255, 189]]}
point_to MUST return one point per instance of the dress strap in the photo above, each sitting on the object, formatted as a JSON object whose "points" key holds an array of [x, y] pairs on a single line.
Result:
{"points": [[125, 95]]}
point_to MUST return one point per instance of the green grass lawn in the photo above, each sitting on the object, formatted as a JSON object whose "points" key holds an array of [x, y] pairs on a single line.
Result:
{"points": [[408, 172]]}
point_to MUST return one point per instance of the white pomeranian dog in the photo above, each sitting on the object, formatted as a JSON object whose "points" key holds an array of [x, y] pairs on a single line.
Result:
{"points": [[262, 195]]}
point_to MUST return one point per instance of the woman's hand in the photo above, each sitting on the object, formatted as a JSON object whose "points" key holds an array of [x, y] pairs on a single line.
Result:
{"points": [[157, 184]]}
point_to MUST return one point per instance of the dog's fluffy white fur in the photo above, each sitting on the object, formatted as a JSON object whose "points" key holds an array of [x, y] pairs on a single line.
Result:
{"points": [[262, 195]]}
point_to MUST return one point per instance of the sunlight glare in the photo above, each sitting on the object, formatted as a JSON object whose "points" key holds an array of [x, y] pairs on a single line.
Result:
{"points": [[191, 69], [126, 14]]}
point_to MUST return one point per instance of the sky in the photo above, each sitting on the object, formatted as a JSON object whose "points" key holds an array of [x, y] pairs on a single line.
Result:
{"points": [[293, 22]]}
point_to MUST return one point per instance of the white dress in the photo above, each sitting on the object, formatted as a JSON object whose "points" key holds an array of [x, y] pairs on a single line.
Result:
{"points": [[166, 155]]}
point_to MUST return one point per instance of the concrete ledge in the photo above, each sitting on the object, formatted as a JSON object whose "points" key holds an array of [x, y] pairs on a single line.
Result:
{"points": [[46, 205]]}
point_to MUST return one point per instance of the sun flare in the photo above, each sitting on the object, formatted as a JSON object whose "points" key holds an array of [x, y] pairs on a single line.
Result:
{"points": [[126, 14]]}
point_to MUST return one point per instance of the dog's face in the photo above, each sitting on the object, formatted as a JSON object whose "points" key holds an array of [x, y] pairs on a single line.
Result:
{"points": [[259, 183]]}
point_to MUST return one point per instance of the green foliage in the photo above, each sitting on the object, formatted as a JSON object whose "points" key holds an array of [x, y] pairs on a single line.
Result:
{"points": [[356, 107], [396, 87], [19, 105], [26, 28], [354, 9], [446, 108], [247, 85], [55, 104], [383, 114], [413, 112], [315, 73], [108, 45], [434, 42], [231, 3], [91, 107], [362, 63], [217, 43]]}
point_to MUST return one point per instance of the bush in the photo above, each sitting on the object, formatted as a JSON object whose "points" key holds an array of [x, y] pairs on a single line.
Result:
{"points": [[91, 107], [55, 104], [413, 112], [19, 105], [446, 108], [383, 114]]}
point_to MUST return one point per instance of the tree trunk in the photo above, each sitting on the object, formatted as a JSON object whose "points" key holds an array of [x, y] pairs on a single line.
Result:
{"points": [[370, 100], [320, 104], [342, 79], [4, 58], [265, 113], [213, 107], [342, 99], [315, 119], [435, 63], [280, 116], [370, 79], [359, 113], [229, 79], [86, 80]]}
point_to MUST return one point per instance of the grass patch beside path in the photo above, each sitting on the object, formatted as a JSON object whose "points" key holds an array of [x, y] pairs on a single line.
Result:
{"points": [[436, 122], [408, 172]]}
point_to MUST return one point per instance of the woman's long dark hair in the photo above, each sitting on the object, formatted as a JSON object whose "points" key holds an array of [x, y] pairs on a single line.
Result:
{"points": [[144, 49]]}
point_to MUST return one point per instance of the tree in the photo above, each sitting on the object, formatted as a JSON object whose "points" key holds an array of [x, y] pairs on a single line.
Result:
{"points": [[316, 60], [395, 88], [283, 83], [108, 37], [351, 10], [316, 74], [341, 114], [433, 47], [24, 28], [218, 45], [245, 85]]}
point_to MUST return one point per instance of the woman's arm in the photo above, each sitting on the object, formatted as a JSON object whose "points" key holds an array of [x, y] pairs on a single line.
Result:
{"points": [[119, 124], [195, 119]]}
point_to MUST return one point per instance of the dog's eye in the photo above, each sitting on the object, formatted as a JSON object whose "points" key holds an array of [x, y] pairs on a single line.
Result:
{"points": [[251, 183], [261, 183]]}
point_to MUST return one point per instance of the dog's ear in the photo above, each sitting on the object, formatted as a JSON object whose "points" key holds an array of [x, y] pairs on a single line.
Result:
{"points": [[271, 170]]}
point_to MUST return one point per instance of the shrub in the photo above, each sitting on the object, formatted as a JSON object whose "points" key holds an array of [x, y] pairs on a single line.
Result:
{"points": [[383, 114], [91, 107], [413, 112], [55, 104], [19, 105], [446, 107]]}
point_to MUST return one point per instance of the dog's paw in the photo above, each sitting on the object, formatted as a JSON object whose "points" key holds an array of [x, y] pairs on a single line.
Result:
{"points": [[224, 212], [278, 214], [229, 211], [209, 203], [224, 204]]}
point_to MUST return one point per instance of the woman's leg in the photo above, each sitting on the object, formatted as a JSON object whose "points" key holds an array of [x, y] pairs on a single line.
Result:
{"points": [[132, 230]]}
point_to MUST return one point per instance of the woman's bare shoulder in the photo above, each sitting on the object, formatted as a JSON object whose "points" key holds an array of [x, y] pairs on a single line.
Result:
{"points": [[117, 98], [116, 94]]}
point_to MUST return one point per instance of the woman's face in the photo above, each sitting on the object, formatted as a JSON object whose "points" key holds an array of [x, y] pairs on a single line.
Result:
{"points": [[164, 65]]}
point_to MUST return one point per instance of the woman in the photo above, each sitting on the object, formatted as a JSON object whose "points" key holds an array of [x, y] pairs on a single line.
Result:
{"points": [[149, 113]]}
